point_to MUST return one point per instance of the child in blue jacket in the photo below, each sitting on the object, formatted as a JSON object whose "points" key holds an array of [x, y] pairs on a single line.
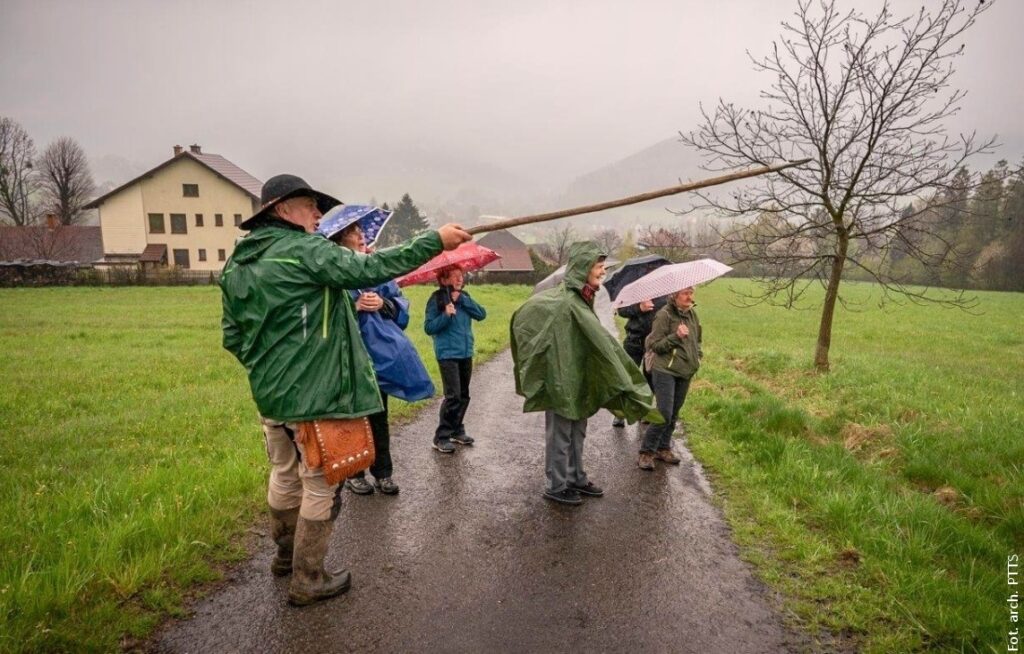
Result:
{"points": [[450, 312]]}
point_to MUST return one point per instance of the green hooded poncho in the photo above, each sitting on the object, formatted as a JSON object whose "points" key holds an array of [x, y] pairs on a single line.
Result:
{"points": [[289, 320], [566, 361]]}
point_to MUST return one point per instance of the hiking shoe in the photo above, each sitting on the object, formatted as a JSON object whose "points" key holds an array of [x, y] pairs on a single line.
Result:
{"points": [[668, 456], [590, 489], [646, 461], [445, 447], [463, 439], [618, 423], [565, 496], [386, 486], [359, 486]]}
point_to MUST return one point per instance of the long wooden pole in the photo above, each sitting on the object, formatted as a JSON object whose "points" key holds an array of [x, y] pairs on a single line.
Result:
{"points": [[633, 199]]}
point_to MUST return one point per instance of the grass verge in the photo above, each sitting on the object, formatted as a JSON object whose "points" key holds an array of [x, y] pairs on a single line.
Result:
{"points": [[131, 455], [883, 499]]}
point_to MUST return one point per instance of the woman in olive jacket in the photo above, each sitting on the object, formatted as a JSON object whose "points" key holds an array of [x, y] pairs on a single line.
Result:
{"points": [[674, 352]]}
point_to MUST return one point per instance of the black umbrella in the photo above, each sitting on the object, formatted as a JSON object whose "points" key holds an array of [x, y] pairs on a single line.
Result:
{"points": [[632, 270]]}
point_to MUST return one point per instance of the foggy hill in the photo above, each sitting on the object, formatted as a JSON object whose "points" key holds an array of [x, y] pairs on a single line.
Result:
{"points": [[665, 163]]}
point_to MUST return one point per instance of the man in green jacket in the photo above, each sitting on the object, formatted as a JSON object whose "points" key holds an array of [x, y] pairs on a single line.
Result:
{"points": [[289, 320], [569, 366]]}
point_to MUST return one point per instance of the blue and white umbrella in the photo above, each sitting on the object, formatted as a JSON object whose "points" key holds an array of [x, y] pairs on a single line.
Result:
{"points": [[371, 220]]}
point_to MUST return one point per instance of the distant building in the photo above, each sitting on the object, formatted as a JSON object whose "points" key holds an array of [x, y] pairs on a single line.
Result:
{"points": [[185, 212], [515, 256], [53, 243], [39, 255]]}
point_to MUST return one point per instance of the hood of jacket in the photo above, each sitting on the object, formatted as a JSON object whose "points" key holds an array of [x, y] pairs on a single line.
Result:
{"points": [[582, 257], [253, 246]]}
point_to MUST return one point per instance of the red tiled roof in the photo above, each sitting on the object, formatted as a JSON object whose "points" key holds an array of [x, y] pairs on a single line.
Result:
{"points": [[81, 243], [230, 172], [218, 164], [515, 256]]}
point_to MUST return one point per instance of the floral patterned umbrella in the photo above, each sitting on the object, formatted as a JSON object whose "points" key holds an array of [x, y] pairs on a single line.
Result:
{"points": [[669, 279], [371, 220], [468, 256]]}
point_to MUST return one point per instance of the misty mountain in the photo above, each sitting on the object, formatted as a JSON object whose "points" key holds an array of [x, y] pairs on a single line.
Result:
{"points": [[666, 163], [445, 186], [663, 164]]}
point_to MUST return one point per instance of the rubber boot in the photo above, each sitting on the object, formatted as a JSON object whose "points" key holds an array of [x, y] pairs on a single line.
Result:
{"points": [[310, 582], [282, 530]]}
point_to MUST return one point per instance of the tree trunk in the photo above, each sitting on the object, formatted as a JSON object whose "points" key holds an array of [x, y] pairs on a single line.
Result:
{"points": [[829, 308]]}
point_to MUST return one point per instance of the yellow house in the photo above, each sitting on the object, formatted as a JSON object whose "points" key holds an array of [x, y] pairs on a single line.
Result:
{"points": [[184, 213]]}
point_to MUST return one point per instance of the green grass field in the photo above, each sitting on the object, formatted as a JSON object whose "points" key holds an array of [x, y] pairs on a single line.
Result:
{"points": [[132, 461], [881, 500], [884, 498]]}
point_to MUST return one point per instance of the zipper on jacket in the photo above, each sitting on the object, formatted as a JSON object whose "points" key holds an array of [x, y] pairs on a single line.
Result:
{"points": [[327, 305], [305, 332]]}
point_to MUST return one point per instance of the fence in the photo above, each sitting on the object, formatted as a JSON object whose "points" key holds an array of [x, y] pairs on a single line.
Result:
{"points": [[47, 273], [62, 274], [131, 276]]}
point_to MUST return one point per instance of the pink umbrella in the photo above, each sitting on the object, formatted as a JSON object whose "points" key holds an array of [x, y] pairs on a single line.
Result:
{"points": [[669, 279], [468, 256]]}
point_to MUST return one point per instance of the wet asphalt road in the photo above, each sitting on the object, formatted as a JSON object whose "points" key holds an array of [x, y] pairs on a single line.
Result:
{"points": [[470, 558]]}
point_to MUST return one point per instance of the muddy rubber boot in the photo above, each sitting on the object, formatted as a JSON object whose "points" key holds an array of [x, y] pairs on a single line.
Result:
{"points": [[282, 530], [310, 582]]}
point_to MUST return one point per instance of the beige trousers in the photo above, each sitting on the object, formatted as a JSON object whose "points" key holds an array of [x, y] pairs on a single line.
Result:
{"points": [[292, 484]]}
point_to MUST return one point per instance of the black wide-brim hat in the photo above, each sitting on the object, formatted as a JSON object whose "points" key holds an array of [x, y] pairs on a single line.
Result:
{"points": [[282, 187]]}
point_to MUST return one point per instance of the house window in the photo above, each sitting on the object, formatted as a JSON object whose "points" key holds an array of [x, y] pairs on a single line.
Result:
{"points": [[218, 219], [156, 223], [238, 219], [178, 224], [222, 254], [190, 190], [202, 254], [181, 258], [199, 220]]}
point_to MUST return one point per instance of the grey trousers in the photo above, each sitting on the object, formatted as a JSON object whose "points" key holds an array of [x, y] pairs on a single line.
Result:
{"points": [[563, 453]]}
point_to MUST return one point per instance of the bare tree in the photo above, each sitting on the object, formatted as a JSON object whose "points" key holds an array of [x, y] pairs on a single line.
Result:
{"points": [[609, 240], [52, 243], [670, 242], [66, 180], [866, 97], [18, 178], [560, 239]]}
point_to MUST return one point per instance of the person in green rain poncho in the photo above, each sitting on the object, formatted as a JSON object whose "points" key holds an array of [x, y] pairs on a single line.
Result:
{"points": [[569, 366]]}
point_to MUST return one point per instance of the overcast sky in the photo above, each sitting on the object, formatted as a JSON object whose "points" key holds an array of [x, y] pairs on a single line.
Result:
{"points": [[538, 87]]}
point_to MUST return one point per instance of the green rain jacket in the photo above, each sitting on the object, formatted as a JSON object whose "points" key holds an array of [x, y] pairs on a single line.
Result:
{"points": [[289, 320], [679, 357], [566, 361]]}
